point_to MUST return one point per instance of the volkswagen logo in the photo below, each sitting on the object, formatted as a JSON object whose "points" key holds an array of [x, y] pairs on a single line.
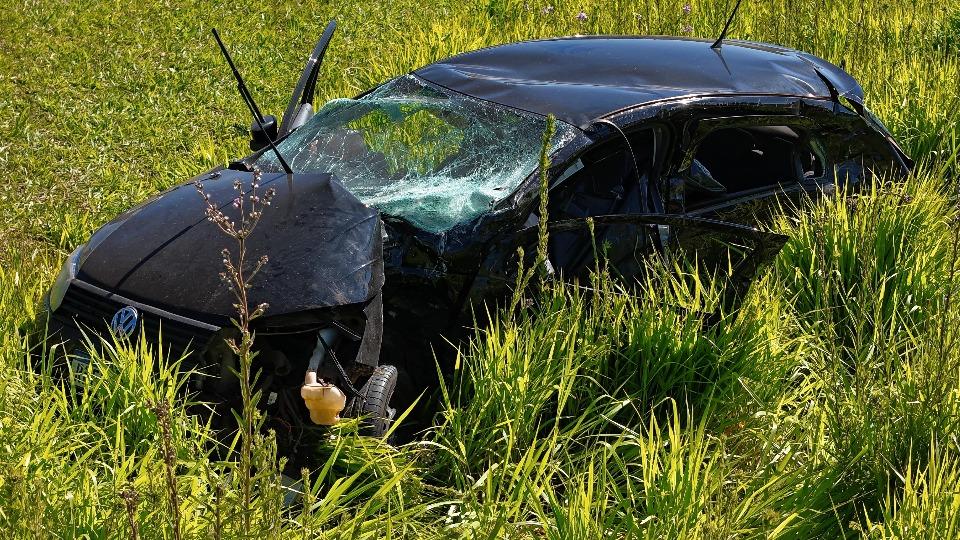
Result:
{"points": [[124, 322]]}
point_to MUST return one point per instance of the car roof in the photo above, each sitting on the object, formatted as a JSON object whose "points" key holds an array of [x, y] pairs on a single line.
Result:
{"points": [[581, 78]]}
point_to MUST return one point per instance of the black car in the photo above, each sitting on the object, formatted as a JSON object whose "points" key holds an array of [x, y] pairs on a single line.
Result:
{"points": [[407, 204]]}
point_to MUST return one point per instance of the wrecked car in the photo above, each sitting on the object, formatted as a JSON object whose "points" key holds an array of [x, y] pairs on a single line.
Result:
{"points": [[407, 204]]}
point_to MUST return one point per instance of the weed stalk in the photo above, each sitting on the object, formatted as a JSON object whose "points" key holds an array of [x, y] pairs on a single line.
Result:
{"points": [[307, 518], [218, 511], [541, 261], [130, 500], [238, 276], [162, 410]]}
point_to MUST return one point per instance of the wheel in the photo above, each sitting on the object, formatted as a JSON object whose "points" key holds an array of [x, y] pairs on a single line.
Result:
{"points": [[373, 403]]}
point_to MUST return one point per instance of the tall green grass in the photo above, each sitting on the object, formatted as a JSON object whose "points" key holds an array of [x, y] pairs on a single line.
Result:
{"points": [[826, 407]]}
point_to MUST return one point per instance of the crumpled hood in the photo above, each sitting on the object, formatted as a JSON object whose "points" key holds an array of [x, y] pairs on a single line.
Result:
{"points": [[324, 246]]}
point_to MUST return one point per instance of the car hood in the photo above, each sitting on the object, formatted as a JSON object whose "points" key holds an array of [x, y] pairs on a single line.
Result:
{"points": [[324, 248]]}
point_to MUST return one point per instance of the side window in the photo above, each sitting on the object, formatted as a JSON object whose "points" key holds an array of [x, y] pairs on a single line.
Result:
{"points": [[734, 160], [604, 180]]}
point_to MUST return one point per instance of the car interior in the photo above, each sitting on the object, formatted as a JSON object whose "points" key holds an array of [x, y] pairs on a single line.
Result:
{"points": [[745, 159], [604, 180]]}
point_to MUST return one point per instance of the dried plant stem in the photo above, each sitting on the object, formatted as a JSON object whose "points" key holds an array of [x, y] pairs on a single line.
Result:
{"points": [[162, 410], [130, 500], [248, 418], [238, 278]]}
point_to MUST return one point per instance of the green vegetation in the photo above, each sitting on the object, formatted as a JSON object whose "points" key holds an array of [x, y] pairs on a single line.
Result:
{"points": [[827, 407]]}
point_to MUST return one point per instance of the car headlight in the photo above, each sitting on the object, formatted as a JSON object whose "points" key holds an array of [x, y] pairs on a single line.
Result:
{"points": [[66, 275]]}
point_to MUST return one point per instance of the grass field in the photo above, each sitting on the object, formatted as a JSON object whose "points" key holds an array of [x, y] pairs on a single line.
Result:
{"points": [[828, 407]]}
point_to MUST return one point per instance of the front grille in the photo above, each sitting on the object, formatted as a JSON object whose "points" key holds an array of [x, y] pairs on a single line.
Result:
{"points": [[92, 312]]}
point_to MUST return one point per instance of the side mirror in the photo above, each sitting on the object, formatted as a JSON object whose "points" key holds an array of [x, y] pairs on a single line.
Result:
{"points": [[260, 138]]}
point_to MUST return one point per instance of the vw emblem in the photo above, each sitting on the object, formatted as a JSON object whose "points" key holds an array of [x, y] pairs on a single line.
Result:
{"points": [[124, 322]]}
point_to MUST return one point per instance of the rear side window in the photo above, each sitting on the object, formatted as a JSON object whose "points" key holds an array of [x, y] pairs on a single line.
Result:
{"points": [[741, 159]]}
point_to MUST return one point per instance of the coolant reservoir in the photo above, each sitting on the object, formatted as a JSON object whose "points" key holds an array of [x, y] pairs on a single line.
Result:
{"points": [[323, 400]]}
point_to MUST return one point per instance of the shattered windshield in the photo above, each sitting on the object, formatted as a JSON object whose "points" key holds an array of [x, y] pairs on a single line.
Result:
{"points": [[412, 151]]}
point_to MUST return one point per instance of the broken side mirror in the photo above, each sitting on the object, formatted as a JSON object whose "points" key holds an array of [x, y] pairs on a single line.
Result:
{"points": [[260, 138]]}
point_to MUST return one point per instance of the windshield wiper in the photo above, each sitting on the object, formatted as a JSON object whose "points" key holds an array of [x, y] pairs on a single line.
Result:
{"points": [[251, 104]]}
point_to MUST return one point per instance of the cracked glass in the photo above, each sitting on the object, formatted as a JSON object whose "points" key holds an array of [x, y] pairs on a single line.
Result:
{"points": [[433, 158]]}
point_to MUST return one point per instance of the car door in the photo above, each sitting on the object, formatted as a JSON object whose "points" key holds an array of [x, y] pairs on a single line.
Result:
{"points": [[600, 215], [619, 179], [624, 244]]}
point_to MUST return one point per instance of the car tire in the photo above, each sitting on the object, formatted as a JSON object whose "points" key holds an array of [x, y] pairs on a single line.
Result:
{"points": [[372, 405]]}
